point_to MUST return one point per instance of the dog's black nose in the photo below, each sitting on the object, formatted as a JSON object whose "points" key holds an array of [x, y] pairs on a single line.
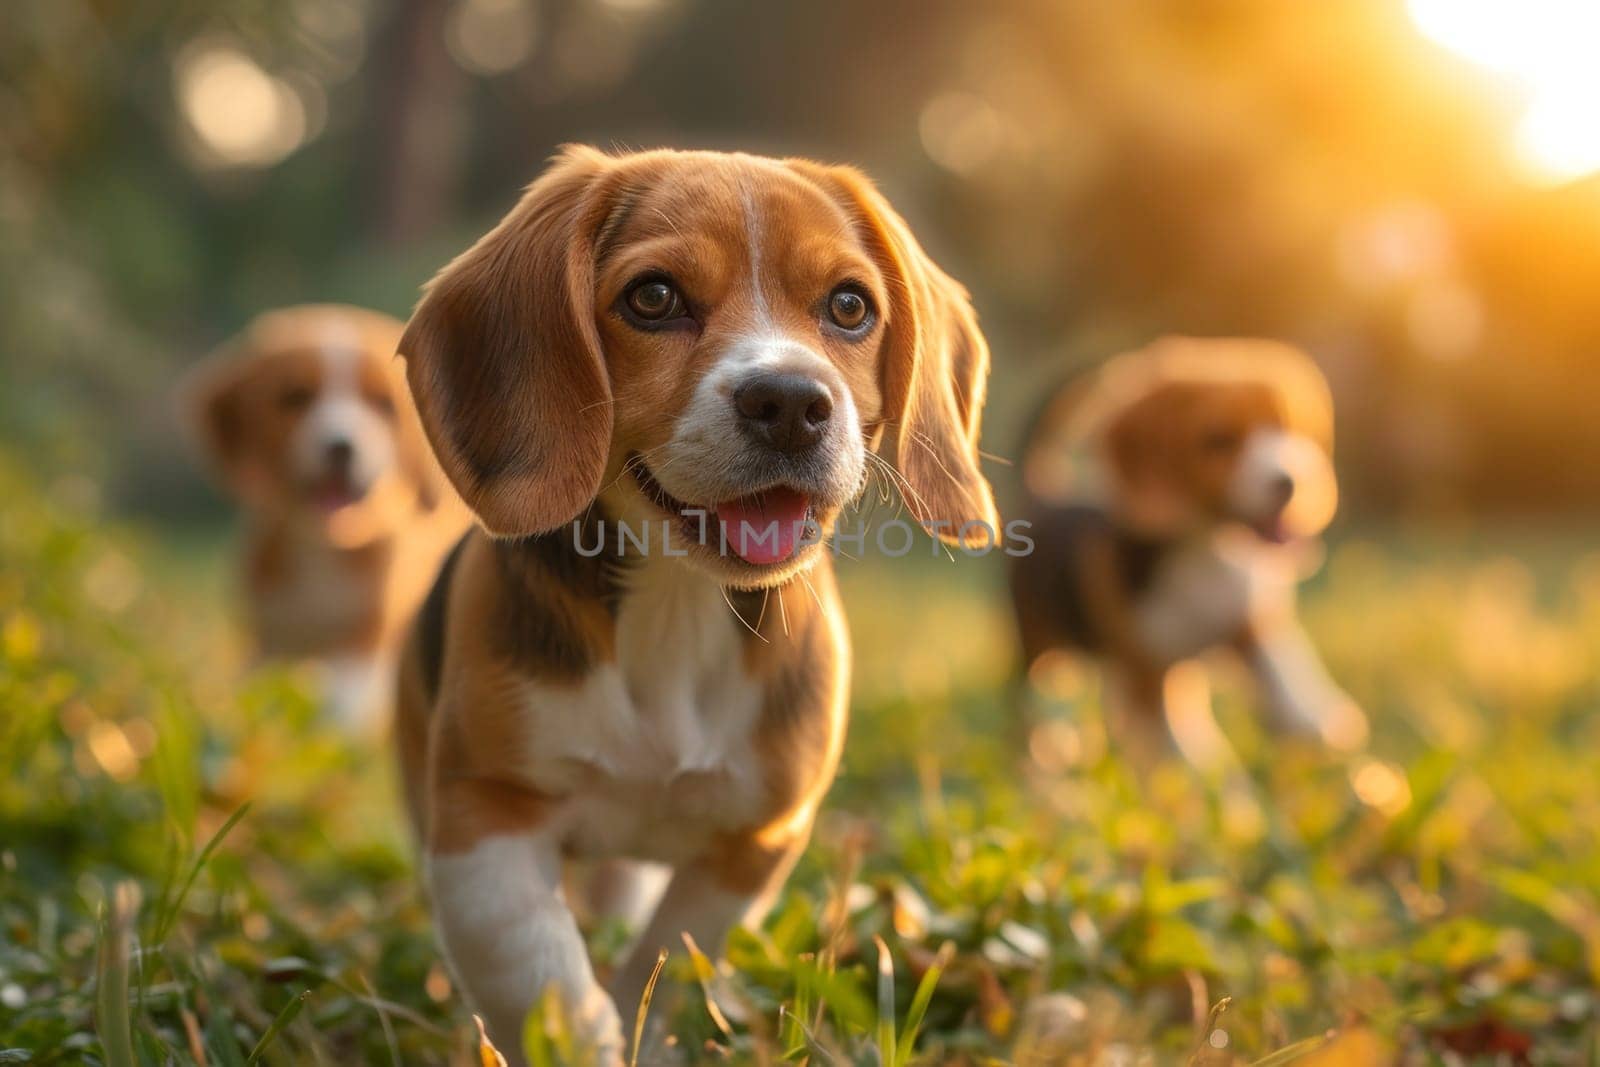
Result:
{"points": [[787, 411], [339, 453], [1282, 487]]}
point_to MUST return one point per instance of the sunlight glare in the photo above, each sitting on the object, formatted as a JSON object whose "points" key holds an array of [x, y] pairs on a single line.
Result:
{"points": [[1560, 133], [1545, 49]]}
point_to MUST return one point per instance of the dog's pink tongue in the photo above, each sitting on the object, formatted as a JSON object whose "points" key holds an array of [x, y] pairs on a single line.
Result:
{"points": [[1275, 530], [334, 493], [764, 527]]}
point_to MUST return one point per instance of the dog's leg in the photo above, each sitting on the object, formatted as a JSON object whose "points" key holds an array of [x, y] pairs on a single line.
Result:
{"points": [[1297, 689], [1189, 716], [507, 931], [1022, 708], [1195, 731], [357, 692], [618, 890], [1136, 715], [705, 899], [1169, 711]]}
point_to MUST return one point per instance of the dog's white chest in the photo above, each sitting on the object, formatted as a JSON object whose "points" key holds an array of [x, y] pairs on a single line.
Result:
{"points": [[1205, 592], [654, 751], [318, 602]]}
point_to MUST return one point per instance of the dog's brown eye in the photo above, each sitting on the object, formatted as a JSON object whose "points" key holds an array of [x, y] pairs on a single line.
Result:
{"points": [[1220, 440], [655, 301], [295, 398], [848, 308]]}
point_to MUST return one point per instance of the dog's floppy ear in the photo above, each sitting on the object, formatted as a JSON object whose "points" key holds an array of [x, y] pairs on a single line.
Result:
{"points": [[1139, 445], [1307, 400], [504, 358], [413, 452], [936, 368], [212, 399]]}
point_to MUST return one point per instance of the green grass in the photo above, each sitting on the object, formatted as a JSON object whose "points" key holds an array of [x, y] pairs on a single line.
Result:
{"points": [[193, 870]]}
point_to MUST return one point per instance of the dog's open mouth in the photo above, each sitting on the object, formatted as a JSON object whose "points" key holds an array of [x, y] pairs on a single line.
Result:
{"points": [[334, 492], [1274, 529], [762, 528]]}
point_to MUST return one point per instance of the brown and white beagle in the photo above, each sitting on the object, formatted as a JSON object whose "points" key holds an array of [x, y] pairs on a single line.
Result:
{"points": [[307, 420], [650, 381], [1172, 497]]}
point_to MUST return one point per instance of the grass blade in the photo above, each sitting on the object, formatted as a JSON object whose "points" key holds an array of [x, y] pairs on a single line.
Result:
{"points": [[488, 1055], [791, 1027], [644, 1006], [704, 972], [191, 1035], [112, 1020], [171, 909], [920, 1001], [886, 1045], [389, 1038], [216, 1030], [808, 1041], [1211, 1024], [1290, 1053], [290, 1011]]}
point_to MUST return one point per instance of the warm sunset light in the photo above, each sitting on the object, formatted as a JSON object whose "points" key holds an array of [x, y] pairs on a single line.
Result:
{"points": [[611, 532], [1545, 50]]}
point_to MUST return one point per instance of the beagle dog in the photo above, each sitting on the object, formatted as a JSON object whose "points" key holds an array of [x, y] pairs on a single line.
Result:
{"points": [[657, 382], [1173, 497], [307, 421]]}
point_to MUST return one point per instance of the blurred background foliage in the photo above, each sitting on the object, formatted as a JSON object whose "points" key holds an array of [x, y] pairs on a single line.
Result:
{"points": [[1097, 173]]}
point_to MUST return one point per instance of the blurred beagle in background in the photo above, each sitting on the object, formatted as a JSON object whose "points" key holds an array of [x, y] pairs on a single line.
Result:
{"points": [[713, 350], [307, 421], [1175, 497]]}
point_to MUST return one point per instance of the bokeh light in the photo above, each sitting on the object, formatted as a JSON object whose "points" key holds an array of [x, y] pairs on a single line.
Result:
{"points": [[240, 114], [1545, 49], [489, 37], [961, 132]]}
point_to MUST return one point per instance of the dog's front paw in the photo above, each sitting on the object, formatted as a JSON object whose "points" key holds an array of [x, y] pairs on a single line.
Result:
{"points": [[1344, 726], [1331, 718], [590, 1028], [597, 1028]]}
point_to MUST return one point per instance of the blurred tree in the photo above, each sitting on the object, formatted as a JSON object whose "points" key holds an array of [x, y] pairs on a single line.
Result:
{"points": [[1098, 173], [416, 118]]}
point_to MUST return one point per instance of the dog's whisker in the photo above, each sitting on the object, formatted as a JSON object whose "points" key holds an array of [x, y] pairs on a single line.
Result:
{"points": [[904, 491], [898, 480], [635, 462], [812, 590], [726, 599], [922, 439], [626, 469]]}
